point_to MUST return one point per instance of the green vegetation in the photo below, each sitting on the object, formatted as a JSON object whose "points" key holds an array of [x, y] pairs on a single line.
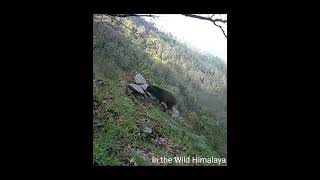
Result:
{"points": [[118, 119]]}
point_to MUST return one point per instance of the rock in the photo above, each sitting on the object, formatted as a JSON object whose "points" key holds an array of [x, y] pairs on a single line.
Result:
{"points": [[139, 79], [147, 130], [144, 86], [136, 88]]}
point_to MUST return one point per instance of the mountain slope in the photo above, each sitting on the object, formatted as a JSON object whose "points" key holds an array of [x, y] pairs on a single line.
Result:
{"points": [[118, 131], [197, 80]]}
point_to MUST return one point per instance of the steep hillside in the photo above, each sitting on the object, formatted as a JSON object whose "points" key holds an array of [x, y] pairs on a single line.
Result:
{"points": [[128, 132], [119, 136]]}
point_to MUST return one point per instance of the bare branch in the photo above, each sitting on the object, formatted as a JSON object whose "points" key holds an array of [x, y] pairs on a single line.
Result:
{"points": [[221, 29], [188, 15], [206, 18], [209, 19]]}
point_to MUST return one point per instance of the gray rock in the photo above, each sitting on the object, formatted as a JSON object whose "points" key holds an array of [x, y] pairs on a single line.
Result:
{"points": [[139, 79], [135, 88], [144, 86], [147, 130]]}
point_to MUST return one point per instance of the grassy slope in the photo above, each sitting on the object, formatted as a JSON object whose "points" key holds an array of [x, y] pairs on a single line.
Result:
{"points": [[119, 121], [118, 130]]}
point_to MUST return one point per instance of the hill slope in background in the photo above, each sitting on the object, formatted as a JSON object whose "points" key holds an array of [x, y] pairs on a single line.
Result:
{"points": [[198, 81]]}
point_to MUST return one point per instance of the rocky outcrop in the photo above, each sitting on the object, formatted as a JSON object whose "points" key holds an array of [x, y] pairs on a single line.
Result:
{"points": [[136, 88], [139, 79]]}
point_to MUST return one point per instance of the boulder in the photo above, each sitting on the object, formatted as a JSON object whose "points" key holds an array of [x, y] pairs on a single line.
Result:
{"points": [[136, 88], [139, 79], [144, 86]]}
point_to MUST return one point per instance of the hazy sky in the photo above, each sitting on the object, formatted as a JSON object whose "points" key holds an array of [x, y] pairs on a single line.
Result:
{"points": [[201, 34]]}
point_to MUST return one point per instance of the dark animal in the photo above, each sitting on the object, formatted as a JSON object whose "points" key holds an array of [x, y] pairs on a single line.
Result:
{"points": [[163, 96]]}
